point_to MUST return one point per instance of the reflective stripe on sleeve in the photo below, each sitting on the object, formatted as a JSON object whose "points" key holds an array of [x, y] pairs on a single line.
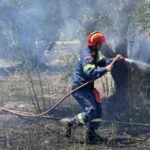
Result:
{"points": [[87, 67]]}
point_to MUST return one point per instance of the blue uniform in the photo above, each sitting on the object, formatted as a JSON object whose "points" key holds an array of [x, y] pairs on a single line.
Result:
{"points": [[88, 67]]}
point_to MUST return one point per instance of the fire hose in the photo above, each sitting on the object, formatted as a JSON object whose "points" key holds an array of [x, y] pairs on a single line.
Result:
{"points": [[27, 114]]}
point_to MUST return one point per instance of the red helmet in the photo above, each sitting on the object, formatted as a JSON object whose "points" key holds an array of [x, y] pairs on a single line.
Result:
{"points": [[95, 37]]}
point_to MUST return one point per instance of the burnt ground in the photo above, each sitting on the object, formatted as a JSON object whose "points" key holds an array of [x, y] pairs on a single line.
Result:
{"points": [[28, 133], [48, 133]]}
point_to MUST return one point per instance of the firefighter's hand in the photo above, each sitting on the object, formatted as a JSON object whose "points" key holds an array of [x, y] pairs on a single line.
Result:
{"points": [[109, 67], [118, 57]]}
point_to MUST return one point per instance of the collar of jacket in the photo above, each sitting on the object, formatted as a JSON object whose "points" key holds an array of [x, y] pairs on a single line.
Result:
{"points": [[94, 53]]}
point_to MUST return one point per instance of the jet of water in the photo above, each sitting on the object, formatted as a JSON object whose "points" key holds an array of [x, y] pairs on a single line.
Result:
{"points": [[141, 64]]}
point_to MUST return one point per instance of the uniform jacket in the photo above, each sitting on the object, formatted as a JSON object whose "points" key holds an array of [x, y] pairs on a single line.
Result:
{"points": [[89, 67]]}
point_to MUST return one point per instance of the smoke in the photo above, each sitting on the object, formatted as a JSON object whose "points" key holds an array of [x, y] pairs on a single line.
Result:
{"points": [[31, 23], [140, 53], [34, 25]]}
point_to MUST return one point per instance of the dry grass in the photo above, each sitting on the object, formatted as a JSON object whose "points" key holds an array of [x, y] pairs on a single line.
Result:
{"points": [[41, 90], [23, 135]]}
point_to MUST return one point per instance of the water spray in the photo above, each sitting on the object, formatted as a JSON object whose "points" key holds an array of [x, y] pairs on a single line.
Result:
{"points": [[141, 64]]}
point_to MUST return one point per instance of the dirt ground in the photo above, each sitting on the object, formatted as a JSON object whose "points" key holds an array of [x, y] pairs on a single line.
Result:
{"points": [[18, 133], [48, 133]]}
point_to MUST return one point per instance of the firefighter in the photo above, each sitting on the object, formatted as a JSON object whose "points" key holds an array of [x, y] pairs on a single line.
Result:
{"points": [[91, 65]]}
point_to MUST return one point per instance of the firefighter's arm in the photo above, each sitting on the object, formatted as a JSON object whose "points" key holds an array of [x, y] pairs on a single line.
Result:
{"points": [[90, 69], [109, 60], [103, 61], [94, 73]]}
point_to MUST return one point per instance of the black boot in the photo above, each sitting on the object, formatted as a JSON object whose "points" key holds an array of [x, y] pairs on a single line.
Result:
{"points": [[68, 125], [68, 129], [92, 137]]}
